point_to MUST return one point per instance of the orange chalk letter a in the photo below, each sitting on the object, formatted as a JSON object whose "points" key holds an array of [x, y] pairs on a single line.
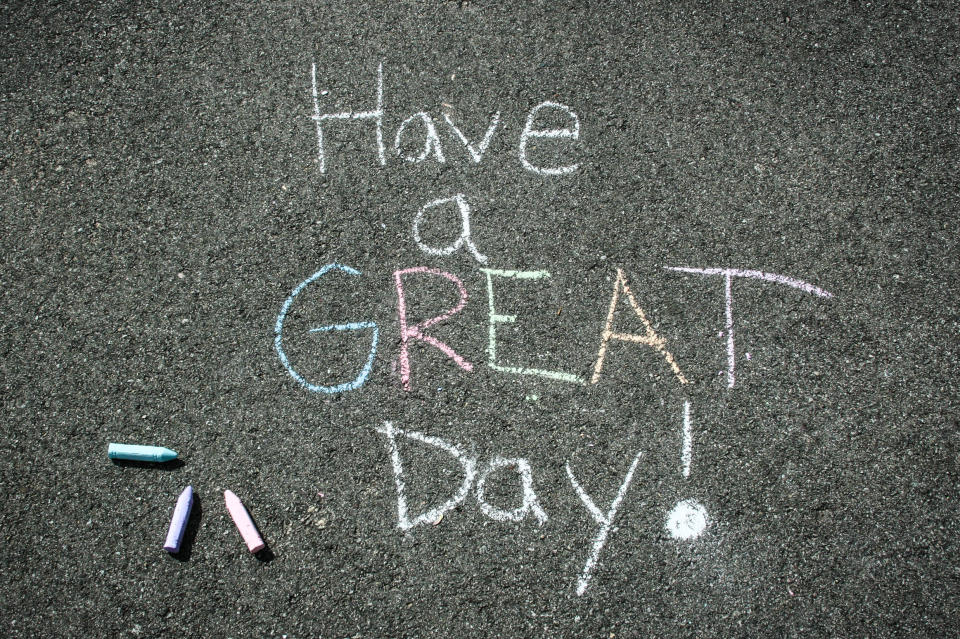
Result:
{"points": [[650, 338]]}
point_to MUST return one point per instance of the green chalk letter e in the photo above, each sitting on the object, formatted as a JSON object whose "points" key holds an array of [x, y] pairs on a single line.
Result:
{"points": [[495, 319]]}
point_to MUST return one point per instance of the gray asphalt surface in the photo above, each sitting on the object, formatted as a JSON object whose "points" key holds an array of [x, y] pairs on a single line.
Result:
{"points": [[163, 197]]}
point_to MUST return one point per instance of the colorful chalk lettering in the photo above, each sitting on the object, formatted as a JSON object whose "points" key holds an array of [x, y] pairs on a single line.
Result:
{"points": [[418, 139], [361, 377], [497, 318], [416, 331], [650, 338]]}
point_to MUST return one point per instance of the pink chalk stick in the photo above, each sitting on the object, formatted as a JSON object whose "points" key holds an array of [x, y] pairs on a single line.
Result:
{"points": [[243, 522]]}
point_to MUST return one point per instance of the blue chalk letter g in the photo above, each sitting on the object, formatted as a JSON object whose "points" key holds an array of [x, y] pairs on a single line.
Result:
{"points": [[353, 326]]}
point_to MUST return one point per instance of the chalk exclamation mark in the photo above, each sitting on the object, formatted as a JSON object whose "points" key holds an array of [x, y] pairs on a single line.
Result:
{"points": [[686, 453], [688, 518]]}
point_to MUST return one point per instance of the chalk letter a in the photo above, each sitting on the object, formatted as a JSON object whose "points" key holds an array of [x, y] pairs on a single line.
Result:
{"points": [[431, 141], [650, 338], [464, 240], [529, 502]]}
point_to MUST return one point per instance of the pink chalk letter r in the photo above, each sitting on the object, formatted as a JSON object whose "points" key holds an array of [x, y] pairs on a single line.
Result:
{"points": [[416, 331]]}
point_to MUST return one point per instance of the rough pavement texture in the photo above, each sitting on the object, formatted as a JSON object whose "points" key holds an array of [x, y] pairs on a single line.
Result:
{"points": [[162, 197]]}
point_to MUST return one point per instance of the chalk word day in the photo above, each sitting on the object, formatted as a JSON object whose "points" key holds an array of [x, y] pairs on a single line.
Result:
{"points": [[422, 129], [686, 521], [475, 479]]}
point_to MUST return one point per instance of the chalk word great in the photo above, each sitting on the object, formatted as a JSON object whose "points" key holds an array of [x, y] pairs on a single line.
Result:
{"points": [[416, 332], [529, 504], [432, 146]]}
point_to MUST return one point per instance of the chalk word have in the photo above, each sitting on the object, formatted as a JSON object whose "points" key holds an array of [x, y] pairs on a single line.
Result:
{"points": [[432, 146], [529, 504]]}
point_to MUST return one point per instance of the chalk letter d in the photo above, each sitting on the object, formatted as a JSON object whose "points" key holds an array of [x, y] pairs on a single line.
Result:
{"points": [[469, 464]]}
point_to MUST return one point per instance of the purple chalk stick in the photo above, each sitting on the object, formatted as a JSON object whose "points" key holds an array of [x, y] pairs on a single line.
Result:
{"points": [[178, 524]]}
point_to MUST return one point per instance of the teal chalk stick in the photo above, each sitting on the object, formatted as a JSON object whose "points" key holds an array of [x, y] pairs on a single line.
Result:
{"points": [[136, 452]]}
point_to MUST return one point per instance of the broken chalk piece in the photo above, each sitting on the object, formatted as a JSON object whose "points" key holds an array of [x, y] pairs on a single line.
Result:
{"points": [[178, 523], [244, 523], [135, 452]]}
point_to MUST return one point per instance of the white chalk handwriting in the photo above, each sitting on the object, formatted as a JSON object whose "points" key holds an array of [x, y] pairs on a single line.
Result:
{"points": [[423, 124]]}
